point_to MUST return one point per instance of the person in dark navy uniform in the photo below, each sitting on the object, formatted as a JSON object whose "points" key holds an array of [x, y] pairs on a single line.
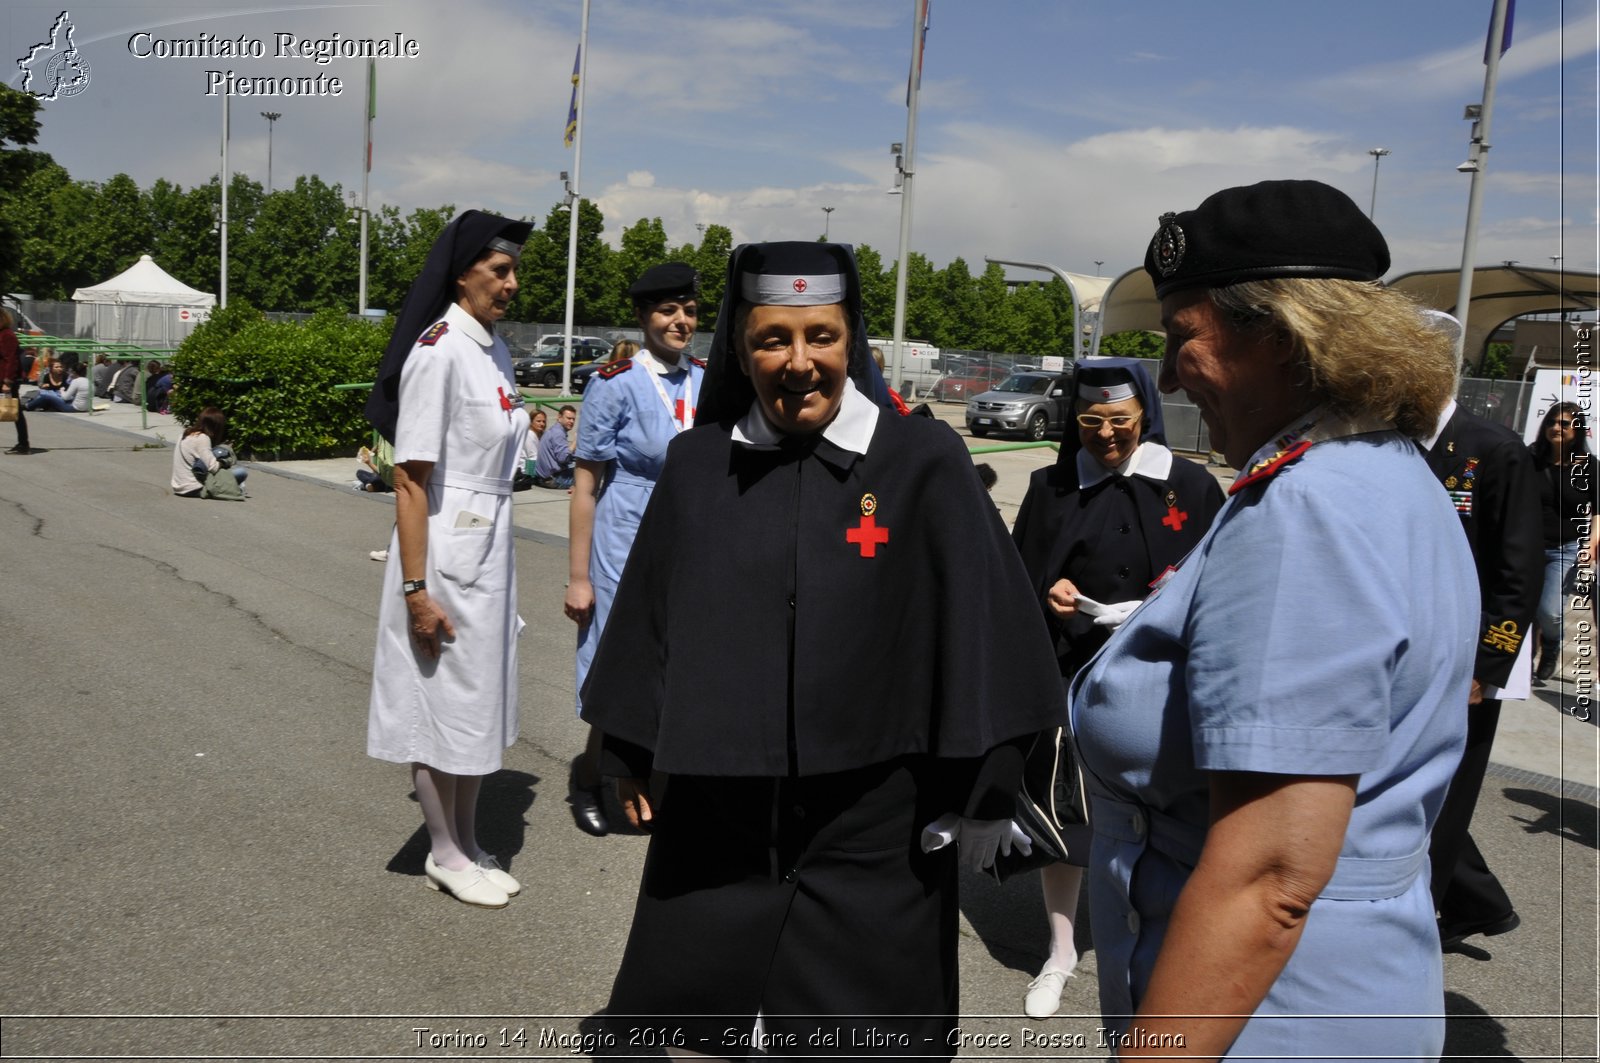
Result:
{"points": [[1492, 481], [791, 649], [1095, 530]]}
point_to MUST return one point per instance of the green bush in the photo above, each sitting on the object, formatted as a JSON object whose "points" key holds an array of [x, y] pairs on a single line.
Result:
{"points": [[275, 381]]}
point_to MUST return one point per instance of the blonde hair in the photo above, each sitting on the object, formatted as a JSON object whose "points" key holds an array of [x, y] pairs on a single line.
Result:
{"points": [[1364, 349], [622, 349]]}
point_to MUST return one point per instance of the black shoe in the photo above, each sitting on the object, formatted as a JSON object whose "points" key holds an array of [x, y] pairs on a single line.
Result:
{"points": [[588, 811], [20, 449], [1453, 934], [1549, 660]]}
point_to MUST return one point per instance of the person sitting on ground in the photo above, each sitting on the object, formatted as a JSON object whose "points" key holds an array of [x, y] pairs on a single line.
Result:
{"points": [[71, 398], [555, 462], [157, 385], [104, 370], [52, 373], [200, 453], [377, 468], [123, 382]]}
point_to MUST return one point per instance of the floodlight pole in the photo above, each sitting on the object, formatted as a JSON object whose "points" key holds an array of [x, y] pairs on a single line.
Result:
{"points": [[907, 173], [1477, 159]]}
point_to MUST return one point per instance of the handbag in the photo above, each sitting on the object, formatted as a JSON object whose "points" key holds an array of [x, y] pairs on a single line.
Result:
{"points": [[10, 408], [1050, 799]]}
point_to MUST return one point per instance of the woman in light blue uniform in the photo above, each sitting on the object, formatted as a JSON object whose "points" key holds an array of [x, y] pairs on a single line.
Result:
{"points": [[1270, 736], [631, 410]]}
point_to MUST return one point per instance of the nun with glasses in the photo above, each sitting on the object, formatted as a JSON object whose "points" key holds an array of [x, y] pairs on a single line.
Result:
{"points": [[791, 652], [1095, 529], [444, 680]]}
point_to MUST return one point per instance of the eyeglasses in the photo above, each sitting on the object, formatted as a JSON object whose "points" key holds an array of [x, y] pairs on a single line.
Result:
{"points": [[1093, 421]]}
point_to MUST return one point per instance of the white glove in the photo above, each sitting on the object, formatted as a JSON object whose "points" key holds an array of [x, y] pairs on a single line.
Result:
{"points": [[981, 840], [1113, 615]]}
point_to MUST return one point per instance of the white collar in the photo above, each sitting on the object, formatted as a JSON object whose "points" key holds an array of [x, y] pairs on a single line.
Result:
{"points": [[1150, 460], [1438, 429], [654, 363], [851, 428], [474, 328]]}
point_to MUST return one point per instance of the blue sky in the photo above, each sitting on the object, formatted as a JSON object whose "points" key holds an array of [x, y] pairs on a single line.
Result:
{"points": [[1054, 130]]}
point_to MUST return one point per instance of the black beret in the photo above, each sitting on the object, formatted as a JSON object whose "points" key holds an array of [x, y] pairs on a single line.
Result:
{"points": [[1265, 231], [670, 280]]}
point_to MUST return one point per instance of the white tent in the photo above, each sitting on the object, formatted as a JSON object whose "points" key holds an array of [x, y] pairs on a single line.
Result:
{"points": [[143, 305]]}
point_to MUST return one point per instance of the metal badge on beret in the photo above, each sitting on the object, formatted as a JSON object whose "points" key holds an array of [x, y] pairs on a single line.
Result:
{"points": [[1168, 244]]}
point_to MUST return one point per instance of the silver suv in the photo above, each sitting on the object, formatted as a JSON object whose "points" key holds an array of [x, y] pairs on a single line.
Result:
{"points": [[1032, 404]]}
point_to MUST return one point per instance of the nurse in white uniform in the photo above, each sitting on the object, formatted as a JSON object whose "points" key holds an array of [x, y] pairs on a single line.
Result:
{"points": [[444, 696]]}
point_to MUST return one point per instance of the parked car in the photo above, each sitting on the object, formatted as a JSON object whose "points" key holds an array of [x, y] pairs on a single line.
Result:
{"points": [[957, 387], [1032, 404], [542, 367], [580, 377]]}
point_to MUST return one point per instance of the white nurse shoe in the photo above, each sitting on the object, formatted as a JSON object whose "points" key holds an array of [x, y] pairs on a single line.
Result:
{"points": [[467, 885]]}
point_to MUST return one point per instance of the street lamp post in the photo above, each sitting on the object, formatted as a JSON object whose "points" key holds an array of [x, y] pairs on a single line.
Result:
{"points": [[1097, 264], [827, 216], [1377, 157], [359, 209], [272, 120]]}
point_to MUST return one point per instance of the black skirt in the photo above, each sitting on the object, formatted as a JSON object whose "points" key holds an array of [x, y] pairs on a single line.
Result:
{"points": [[808, 900]]}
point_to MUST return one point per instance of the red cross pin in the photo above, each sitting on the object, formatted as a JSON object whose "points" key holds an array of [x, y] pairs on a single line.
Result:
{"points": [[867, 534], [799, 284], [1174, 518]]}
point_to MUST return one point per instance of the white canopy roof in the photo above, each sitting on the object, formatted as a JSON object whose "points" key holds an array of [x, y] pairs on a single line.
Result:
{"points": [[144, 283], [1499, 293]]}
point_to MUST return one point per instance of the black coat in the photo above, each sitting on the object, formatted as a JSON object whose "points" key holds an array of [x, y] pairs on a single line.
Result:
{"points": [[751, 636], [824, 652], [1110, 540], [1490, 476]]}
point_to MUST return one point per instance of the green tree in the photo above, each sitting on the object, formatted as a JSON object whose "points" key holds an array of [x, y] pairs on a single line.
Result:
{"points": [[964, 310], [1133, 345], [710, 260], [877, 291], [643, 244], [926, 312], [994, 330], [298, 254], [19, 125]]}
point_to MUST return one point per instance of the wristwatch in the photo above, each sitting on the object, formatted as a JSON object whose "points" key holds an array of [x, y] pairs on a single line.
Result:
{"points": [[412, 586]]}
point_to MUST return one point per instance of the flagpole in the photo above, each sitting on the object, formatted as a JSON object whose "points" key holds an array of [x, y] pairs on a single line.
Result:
{"points": [[366, 174], [575, 200], [1477, 159], [919, 10], [223, 299]]}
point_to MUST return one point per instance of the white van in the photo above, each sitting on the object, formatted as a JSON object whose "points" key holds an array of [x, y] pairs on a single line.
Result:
{"points": [[920, 364]]}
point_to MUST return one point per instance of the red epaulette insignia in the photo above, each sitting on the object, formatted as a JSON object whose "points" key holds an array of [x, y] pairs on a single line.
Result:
{"points": [[431, 337], [1265, 470], [611, 369], [701, 362]]}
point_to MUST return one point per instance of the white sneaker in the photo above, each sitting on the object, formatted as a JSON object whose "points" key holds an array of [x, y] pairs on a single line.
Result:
{"points": [[1044, 994]]}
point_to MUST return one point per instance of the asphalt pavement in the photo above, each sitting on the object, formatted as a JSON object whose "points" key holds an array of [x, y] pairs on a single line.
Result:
{"points": [[204, 863]]}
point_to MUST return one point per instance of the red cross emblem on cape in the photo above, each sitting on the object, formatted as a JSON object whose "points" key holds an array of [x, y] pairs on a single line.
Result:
{"points": [[429, 338], [1175, 518], [867, 535], [1271, 467]]}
